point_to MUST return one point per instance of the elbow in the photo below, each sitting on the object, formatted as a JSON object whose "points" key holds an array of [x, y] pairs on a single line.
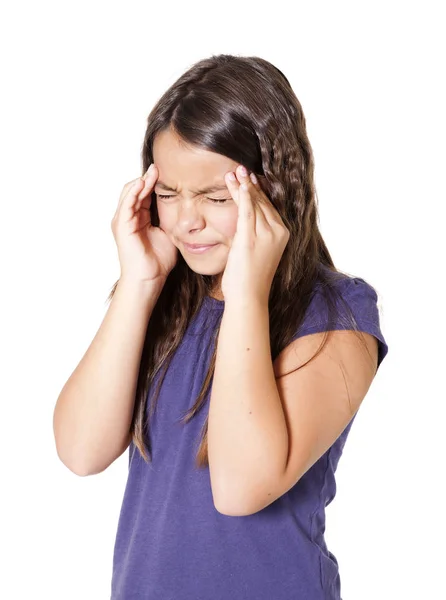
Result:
{"points": [[81, 469], [67, 456], [229, 509], [83, 463], [246, 495], [245, 501], [83, 456], [241, 509], [244, 509], [227, 503], [73, 467], [74, 457], [73, 464], [80, 472], [82, 466], [232, 511]]}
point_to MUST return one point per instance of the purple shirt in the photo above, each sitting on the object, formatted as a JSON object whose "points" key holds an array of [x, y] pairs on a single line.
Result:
{"points": [[171, 542]]}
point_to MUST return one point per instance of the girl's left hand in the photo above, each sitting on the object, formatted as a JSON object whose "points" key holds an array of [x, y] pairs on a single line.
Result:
{"points": [[258, 244]]}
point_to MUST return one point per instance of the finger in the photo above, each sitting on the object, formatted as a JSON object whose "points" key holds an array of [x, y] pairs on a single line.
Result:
{"points": [[246, 212], [148, 179], [137, 192], [125, 192], [255, 199], [127, 210], [128, 186], [271, 213]]}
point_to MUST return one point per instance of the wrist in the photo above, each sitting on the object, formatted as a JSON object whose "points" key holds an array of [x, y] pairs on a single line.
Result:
{"points": [[246, 301], [151, 286]]}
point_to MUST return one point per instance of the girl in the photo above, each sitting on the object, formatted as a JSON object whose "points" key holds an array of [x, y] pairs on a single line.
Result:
{"points": [[233, 357]]}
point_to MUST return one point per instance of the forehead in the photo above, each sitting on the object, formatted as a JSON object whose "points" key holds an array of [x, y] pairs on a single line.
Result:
{"points": [[181, 164]]}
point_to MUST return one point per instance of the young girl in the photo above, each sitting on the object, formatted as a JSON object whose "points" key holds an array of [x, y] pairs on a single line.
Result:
{"points": [[233, 357]]}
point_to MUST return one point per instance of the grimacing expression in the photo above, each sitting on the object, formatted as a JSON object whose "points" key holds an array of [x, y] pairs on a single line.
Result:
{"points": [[194, 204]]}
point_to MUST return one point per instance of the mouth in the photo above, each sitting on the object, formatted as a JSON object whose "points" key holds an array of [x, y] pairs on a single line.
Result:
{"points": [[198, 248]]}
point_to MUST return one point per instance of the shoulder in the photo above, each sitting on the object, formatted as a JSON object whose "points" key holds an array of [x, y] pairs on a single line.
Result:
{"points": [[343, 302]]}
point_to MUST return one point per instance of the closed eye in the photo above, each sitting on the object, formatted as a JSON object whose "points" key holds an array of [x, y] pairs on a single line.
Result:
{"points": [[216, 200]]}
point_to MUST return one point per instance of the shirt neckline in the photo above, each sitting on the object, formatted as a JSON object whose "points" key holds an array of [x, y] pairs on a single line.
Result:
{"points": [[213, 302]]}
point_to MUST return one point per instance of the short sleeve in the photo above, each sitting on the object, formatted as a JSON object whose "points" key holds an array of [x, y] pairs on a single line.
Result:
{"points": [[362, 300]]}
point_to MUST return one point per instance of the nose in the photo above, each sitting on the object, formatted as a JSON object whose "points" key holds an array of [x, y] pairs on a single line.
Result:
{"points": [[189, 217]]}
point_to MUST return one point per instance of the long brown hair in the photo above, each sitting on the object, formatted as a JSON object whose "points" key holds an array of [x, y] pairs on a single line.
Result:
{"points": [[243, 108]]}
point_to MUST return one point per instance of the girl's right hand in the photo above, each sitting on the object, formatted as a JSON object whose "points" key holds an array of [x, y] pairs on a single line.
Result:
{"points": [[145, 252]]}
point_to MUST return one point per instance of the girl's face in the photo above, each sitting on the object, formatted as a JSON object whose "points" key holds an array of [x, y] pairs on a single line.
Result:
{"points": [[190, 211]]}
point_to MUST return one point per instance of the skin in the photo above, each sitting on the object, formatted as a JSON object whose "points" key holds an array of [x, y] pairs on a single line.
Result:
{"points": [[191, 218]]}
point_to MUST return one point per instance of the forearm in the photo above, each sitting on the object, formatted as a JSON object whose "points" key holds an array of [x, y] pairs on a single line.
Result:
{"points": [[247, 435], [94, 410]]}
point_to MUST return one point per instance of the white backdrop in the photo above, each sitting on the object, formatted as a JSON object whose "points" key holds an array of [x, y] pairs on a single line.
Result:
{"points": [[79, 80]]}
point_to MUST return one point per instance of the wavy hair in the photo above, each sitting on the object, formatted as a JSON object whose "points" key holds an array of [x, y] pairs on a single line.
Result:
{"points": [[245, 109]]}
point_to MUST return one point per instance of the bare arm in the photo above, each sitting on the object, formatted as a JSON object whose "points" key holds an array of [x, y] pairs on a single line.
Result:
{"points": [[270, 422], [247, 431], [93, 412]]}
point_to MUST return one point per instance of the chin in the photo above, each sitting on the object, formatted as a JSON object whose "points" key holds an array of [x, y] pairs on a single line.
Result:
{"points": [[205, 270], [200, 267]]}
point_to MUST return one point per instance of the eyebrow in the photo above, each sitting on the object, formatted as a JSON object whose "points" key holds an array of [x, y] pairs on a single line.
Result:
{"points": [[208, 190]]}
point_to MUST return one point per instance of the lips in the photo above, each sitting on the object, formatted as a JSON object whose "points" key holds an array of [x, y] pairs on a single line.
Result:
{"points": [[195, 246], [199, 248]]}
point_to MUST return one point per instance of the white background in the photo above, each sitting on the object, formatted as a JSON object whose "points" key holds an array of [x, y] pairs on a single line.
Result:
{"points": [[79, 80]]}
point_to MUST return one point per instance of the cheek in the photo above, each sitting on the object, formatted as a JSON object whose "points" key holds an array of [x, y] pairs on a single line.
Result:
{"points": [[165, 217], [226, 224]]}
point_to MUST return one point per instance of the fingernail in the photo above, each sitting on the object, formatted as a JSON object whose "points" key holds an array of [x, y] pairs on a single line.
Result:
{"points": [[243, 171], [231, 176], [253, 178]]}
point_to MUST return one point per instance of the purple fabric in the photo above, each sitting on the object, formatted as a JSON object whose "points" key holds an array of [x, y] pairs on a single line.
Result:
{"points": [[171, 542]]}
